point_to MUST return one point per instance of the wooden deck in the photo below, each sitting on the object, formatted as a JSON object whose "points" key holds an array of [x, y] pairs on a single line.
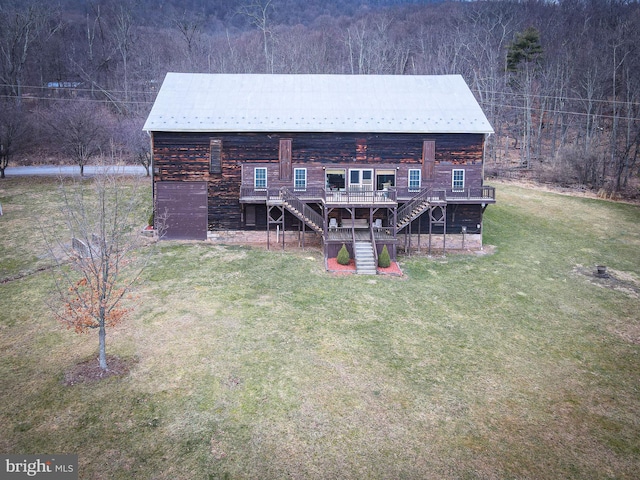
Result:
{"points": [[343, 235], [371, 198], [357, 199], [332, 199]]}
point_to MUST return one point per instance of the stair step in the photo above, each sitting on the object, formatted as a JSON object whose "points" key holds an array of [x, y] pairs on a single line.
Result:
{"points": [[365, 259]]}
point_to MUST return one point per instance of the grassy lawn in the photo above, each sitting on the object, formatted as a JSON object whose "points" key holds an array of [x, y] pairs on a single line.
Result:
{"points": [[256, 364]]}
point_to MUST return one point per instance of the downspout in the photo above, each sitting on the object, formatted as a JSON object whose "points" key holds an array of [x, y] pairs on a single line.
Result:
{"points": [[153, 178], [484, 154]]}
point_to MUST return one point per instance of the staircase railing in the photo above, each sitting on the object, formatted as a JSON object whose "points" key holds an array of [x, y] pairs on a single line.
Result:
{"points": [[307, 214], [373, 243], [405, 213]]}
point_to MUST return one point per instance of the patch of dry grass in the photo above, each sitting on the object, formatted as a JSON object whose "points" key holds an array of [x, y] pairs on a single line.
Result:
{"points": [[256, 364]]}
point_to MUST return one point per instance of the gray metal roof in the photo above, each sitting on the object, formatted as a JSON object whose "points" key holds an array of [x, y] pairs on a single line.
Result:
{"points": [[191, 102]]}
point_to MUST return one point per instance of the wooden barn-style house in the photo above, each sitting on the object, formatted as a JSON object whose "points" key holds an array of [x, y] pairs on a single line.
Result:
{"points": [[360, 160]]}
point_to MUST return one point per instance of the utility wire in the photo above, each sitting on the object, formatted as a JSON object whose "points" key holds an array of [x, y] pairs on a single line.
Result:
{"points": [[477, 90], [482, 102]]}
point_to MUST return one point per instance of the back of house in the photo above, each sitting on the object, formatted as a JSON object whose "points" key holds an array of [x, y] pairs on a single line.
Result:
{"points": [[338, 157]]}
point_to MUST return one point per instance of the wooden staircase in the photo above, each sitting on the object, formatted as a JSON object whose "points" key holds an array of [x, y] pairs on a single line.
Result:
{"points": [[302, 211], [417, 206]]}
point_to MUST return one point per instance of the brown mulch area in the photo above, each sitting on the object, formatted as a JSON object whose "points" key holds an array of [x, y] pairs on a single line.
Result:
{"points": [[89, 371], [334, 267], [393, 269]]}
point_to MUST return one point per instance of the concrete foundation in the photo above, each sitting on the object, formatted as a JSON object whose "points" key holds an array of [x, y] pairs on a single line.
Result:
{"points": [[458, 242], [260, 237], [454, 241]]}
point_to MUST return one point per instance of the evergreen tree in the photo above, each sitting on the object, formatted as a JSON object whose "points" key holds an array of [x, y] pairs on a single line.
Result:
{"points": [[525, 48], [384, 260], [343, 256]]}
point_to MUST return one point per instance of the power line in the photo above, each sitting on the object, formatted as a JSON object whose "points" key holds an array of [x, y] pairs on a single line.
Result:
{"points": [[77, 89], [482, 102], [559, 98], [479, 91], [81, 99], [558, 112]]}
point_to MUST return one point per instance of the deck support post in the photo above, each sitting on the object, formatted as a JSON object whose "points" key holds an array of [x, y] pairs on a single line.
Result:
{"points": [[276, 221], [430, 227], [438, 221], [410, 235], [444, 229]]}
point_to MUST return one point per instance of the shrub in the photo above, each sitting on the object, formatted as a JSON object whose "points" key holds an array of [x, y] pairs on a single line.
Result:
{"points": [[343, 255], [384, 260], [151, 219]]}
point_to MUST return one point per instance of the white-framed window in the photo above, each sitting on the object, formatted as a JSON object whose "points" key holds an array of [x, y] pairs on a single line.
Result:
{"points": [[260, 178], [336, 179], [299, 178], [361, 178], [414, 180], [457, 179]]}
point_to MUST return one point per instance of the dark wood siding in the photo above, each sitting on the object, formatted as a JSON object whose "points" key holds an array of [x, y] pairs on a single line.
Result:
{"points": [[185, 157]]}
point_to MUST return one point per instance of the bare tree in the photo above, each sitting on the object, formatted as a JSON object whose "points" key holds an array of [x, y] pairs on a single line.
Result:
{"points": [[20, 29], [136, 142], [257, 11], [80, 128], [191, 27], [13, 128], [96, 253], [123, 34]]}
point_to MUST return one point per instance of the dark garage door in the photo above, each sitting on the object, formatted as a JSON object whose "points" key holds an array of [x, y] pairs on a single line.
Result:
{"points": [[185, 207]]}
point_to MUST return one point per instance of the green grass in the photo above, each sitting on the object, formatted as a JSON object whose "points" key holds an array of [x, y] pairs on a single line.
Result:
{"points": [[256, 364]]}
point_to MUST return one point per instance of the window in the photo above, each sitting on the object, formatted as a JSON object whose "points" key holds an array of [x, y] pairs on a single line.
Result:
{"points": [[361, 179], [414, 180], [457, 179], [385, 179], [336, 179], [300, 179], [260, 178], [354, 177], [215, 154]]}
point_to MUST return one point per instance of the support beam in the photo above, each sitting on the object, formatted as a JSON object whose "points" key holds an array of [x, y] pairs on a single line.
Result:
{"points": [[275, 221]]}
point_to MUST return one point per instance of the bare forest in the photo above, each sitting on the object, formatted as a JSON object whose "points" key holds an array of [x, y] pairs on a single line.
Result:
{"points": [[559, 81]]}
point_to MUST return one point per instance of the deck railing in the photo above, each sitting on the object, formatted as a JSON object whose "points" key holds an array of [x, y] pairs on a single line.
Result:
{"points": [[359, 196], [352, 195], [475, 193], [362, 196], [443, 194]]}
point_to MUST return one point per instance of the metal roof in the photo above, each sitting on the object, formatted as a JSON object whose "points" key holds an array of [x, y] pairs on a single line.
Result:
{"points": [[192, 102]]}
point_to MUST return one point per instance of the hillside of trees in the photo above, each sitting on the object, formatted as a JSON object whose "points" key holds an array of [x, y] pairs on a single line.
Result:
{"points": [[559, 81]]}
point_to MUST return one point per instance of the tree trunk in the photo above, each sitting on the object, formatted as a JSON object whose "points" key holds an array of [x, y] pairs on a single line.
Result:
{"points": [[103, 347]]}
